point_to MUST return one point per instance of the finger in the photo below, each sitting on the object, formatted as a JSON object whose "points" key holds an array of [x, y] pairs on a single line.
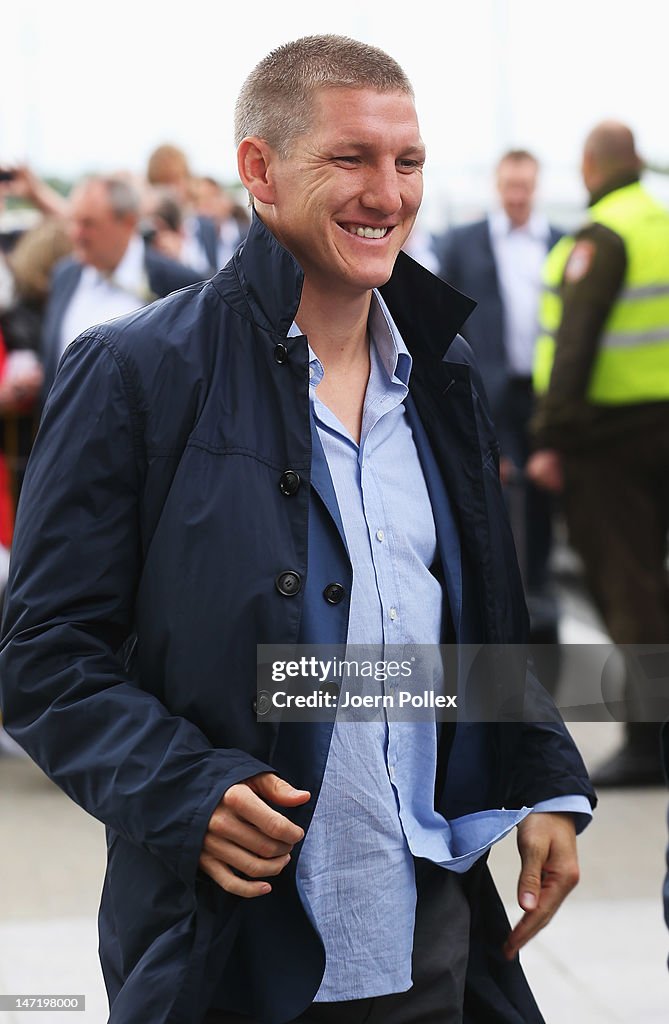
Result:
{"points": [[248, 863], [556, 886], [532, 922], [226, 825], [231, 882], [529, 883], [552, 894], [526, 929], [251, 808], [277, 790]]}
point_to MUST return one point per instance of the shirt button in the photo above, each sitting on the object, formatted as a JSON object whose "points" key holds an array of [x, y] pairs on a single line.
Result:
{"points": [[393, 613], [280, 353], [380, 534], [288, 583], [333, 593], [289, 483]]}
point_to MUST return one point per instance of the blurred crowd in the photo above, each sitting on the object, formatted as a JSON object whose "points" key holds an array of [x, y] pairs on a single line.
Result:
{"points": [[113, 244], [119, 241]]}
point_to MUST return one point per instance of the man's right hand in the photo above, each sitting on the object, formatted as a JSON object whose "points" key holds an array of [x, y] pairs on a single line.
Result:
{"points": [[544, 469], [247, 839]]}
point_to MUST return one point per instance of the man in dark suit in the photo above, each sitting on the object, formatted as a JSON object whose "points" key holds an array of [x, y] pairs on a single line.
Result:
{"points": [[498, 261], [111, 271]]}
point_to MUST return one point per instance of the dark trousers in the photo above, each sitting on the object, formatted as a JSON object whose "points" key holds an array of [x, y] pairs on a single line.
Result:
{"points": [[530, 507], [616, 504], [439, 964]]}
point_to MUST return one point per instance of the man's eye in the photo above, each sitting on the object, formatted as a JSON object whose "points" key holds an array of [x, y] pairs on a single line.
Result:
{"points": [[409, 165], [346, 159]]}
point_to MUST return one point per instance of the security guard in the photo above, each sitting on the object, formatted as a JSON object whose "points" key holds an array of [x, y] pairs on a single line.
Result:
{"points": [[601, 429]]}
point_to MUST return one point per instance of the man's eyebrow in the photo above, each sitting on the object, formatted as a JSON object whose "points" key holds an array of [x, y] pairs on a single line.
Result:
{"points": [[417, 149]]}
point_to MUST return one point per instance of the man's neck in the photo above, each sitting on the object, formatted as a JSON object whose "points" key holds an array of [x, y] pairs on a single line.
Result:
{"points": [[603, 188], [518, 223], [109, 270], [336, 328]]}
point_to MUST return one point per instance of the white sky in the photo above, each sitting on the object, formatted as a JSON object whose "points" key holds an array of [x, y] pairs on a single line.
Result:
{"points": [[93, 87]]}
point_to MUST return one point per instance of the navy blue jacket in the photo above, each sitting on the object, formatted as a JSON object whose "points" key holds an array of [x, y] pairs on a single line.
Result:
{"points": [[164, 276], [151, 534], [467, 261]]}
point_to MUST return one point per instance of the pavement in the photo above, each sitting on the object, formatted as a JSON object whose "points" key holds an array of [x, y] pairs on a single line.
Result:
{"points": [[602, 960]]}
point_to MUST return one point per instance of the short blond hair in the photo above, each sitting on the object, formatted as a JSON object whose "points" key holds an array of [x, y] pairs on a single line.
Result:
{"points": [[275, 102]]}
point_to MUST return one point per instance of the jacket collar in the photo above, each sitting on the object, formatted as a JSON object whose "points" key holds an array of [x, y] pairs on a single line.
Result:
{"points": [[269, 282], [620, 181], [263, 281], [428, 312]]}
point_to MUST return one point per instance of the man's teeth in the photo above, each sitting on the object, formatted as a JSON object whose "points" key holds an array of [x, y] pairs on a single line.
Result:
{"points": [[369, 232]]}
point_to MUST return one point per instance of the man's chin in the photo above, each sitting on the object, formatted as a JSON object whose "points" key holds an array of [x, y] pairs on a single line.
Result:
{"points": [[377, 277]]}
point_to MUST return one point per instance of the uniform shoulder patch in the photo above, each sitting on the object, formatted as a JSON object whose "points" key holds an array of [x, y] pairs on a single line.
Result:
{"points": [[580, 260]]}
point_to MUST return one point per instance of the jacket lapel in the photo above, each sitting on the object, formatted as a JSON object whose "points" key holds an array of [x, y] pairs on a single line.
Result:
{"points": [[446, 527], [321, 481]]}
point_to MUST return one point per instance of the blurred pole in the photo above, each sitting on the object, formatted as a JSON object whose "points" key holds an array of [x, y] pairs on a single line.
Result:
{"points": [[504, 117], [656, 168]]}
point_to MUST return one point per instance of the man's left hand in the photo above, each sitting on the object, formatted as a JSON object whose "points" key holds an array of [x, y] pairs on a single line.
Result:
{"points": [[547, 846]]}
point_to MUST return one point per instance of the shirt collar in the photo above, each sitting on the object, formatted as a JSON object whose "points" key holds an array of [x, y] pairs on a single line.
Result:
{"points": [[129, 274], [537, 226], [393, 353]]}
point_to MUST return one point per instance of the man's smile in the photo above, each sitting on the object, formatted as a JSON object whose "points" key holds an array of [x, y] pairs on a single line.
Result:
{"points": [[365, 230]]}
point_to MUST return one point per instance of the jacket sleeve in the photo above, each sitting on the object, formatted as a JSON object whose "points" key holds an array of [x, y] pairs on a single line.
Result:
{"points": [[546, 762], [67, 696]]}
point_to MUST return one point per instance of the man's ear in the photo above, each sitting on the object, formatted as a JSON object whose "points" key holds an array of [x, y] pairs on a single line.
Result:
{"points": [[254, 156]]}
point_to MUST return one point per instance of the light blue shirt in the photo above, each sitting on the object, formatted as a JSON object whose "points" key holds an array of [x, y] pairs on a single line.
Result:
{"points": [[520, 254], [375, 811]]}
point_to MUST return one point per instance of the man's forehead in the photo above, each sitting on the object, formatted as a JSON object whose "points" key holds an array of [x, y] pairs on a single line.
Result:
{"points": [[523, 167], [360, 116], [354, 100], [92, 197]]}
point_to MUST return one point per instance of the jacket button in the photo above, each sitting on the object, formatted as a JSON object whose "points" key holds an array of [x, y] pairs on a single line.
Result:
{"points": [[261, 704], [333, 593], [288, 583], [280, 353], [289, 483], [330, 687]]}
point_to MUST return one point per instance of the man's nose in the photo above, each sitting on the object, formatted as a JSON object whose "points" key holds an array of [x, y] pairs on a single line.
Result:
{"points": [[382, 190]]}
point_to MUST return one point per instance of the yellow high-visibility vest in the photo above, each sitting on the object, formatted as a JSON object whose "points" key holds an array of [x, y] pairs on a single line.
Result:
{"points": [[632, 363]]}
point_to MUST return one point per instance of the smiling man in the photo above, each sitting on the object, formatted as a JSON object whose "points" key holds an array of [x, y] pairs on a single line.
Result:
{"points": [[294, 452]]}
